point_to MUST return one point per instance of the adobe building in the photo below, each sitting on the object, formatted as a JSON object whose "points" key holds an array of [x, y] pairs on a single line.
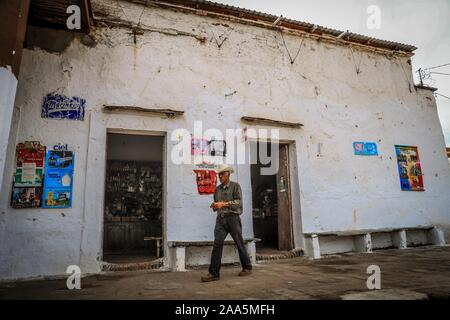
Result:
{"points": [[87, 137]]}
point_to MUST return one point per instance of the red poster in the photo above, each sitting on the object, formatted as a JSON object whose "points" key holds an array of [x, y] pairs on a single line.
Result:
{"points": [[30, 152], [206, 181]]}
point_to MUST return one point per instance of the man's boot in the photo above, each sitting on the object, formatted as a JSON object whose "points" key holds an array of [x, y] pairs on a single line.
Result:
{"points": [[245, 272], [210, 277]]}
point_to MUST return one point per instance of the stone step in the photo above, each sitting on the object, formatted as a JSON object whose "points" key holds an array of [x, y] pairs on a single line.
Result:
{"points": [[134, 266], [282, 255]]}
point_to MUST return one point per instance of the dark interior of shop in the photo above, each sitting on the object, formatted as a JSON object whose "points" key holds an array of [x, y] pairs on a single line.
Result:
{"points": [[133, 198], [264, 199]]}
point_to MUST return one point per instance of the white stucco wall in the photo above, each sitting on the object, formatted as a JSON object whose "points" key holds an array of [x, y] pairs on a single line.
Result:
{"points": [[8, 87], [336, 191]]}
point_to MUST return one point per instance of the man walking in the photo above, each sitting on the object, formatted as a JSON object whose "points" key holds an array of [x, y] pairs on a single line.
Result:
{"points": [[228, 205]]}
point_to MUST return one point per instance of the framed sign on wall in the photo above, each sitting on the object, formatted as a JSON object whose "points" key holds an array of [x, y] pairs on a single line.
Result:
{"points": [[409, 168]]}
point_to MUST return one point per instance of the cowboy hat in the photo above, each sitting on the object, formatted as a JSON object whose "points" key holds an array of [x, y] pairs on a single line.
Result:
{"points": [[224, 168]]}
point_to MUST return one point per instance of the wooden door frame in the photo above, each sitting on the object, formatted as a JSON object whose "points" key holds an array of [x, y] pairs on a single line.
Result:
{"points": [[289, 196], [289, 144]]}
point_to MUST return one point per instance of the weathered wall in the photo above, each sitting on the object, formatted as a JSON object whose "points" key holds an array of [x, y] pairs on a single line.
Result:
{"points": [[172, 69], [8, 87]]}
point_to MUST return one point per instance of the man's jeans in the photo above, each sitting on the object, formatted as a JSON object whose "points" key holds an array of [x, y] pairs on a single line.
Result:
{"points": [[228, 223]]}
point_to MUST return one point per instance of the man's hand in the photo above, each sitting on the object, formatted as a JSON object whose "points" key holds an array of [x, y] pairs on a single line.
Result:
{"points": [[219, 205]]}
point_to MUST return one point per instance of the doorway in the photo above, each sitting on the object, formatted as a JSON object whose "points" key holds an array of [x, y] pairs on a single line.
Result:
{"points": [[133, 210], [271, 198]]}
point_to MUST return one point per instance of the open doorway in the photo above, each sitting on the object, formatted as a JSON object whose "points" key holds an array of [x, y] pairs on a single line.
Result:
{"points": [[271, 198], [133, 215]]}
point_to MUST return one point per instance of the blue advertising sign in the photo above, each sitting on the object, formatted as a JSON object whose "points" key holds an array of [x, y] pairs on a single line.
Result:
{"points": [[57, 106], [58, 181], [365, 148]]}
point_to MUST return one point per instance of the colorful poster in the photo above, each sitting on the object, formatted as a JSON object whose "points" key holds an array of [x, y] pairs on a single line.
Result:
{"points": [[206, 181], [365, 148], [57, 198], [56, 106], [409, 168], [199, 146], [30, 157], [30, 197], [58, 178], [205, 147], [28, 177]]}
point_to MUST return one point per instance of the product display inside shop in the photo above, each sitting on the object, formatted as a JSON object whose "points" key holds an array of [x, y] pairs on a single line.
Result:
{"points": [[133, 198], [133, 191]]}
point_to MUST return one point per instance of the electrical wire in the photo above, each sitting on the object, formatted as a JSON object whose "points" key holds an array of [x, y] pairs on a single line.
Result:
{"points": [[358, 70], [442, 95], [142, 12], [442, 65], [225, 36], [298, 51], [406, 76], [121, 8], [444, 74]]}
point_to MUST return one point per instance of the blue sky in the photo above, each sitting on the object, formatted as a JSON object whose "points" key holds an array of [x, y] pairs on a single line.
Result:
{"points": [[423, 23]]}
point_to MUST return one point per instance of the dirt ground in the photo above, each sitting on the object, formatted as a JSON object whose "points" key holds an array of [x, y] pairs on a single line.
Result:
{"points": [[411, 273]]}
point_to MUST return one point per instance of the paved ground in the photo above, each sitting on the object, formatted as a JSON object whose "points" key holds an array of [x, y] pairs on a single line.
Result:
{"points": [[412, 273]]}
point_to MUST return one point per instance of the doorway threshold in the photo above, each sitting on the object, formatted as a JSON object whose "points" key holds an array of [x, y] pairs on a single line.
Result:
{"points": [[271, 254], [132, 266]]}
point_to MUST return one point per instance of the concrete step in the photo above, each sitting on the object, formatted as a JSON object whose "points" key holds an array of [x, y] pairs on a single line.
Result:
{"points": [[278, 256], [133, 266]]}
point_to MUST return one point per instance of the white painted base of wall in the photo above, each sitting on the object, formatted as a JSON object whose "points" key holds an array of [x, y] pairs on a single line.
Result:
{"points": [[182, 257], [317, 245]]}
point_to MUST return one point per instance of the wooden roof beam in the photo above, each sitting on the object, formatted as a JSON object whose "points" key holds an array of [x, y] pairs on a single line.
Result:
{"points": [[169, 113], [271, 122]]}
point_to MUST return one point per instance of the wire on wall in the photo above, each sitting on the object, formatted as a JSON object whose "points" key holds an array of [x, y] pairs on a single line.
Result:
{"points": [[142, 12], [357, 67], [219, 41], [410, 83], [292, 59]]}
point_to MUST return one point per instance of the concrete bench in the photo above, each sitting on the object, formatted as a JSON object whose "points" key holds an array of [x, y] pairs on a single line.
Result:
{"points": [[178, 250], [362, 239]]}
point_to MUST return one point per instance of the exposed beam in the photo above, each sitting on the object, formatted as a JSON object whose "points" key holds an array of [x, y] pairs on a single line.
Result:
{"points": [[276, 22], [169, 113], [86, 15], [271, 122]]}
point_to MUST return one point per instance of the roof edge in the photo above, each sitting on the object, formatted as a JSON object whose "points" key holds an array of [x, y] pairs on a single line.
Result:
{"points": [[274, 22], [432, 89]]}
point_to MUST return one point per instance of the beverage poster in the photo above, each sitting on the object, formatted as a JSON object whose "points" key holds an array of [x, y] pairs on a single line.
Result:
{"points": [[365, 148], [409, 168], [58, 179], [30, 157], [29, 197], [28, 176], [206, 181]]}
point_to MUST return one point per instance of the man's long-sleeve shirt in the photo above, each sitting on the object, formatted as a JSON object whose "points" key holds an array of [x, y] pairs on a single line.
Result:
{"points": [[231, 193]]}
